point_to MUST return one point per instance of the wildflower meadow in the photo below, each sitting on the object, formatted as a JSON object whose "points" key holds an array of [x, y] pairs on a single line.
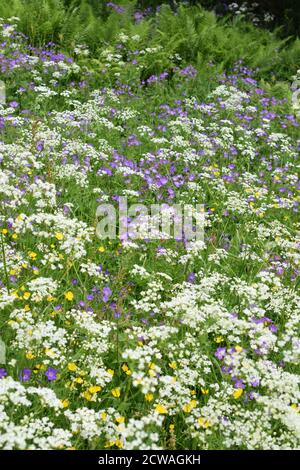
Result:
{"points": [[149, 228]]}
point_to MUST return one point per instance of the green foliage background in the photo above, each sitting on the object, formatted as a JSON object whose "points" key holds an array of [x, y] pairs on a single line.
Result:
{"points": [[198, 35]]}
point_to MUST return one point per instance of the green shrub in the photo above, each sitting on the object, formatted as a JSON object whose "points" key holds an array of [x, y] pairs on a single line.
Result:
{"points": [[196, 35]]}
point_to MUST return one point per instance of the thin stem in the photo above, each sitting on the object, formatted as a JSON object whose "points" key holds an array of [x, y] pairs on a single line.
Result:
{"points": [[4, 264]]}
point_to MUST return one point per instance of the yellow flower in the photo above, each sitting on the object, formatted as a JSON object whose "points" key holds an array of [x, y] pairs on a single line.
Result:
{"points": [[94, 389], [109, 444], [103, 415], [119, 443], [205, 391], [204, 423], [30, 355], [237, 393], [26, 295], [171, 427], [238, 349], [65, 403], [116, 392], [126, 369], [187, 408], [26, 308], [110, 371], [4, 231], [14, 236], [49, 352], [101, 249], [120, 419], [161, 409], [69, 295], [87, 396], [59, 236], [72, 366], [173, 365], [78, 380], [149, 396], [219, 339], [32, 254]]}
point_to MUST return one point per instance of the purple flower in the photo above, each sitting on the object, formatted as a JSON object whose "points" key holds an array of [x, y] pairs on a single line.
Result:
{"points": [[3, 373], [255, 382], [51, 373], [191, 277], [66, 209], [40, 145], [239, 384], [106, 293], [233, 315], [273, 328], [280, 271], [132, 140], [138, 16], [25, 375], [188, 71], [115, 7], [13, 104], [220, 353]]}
